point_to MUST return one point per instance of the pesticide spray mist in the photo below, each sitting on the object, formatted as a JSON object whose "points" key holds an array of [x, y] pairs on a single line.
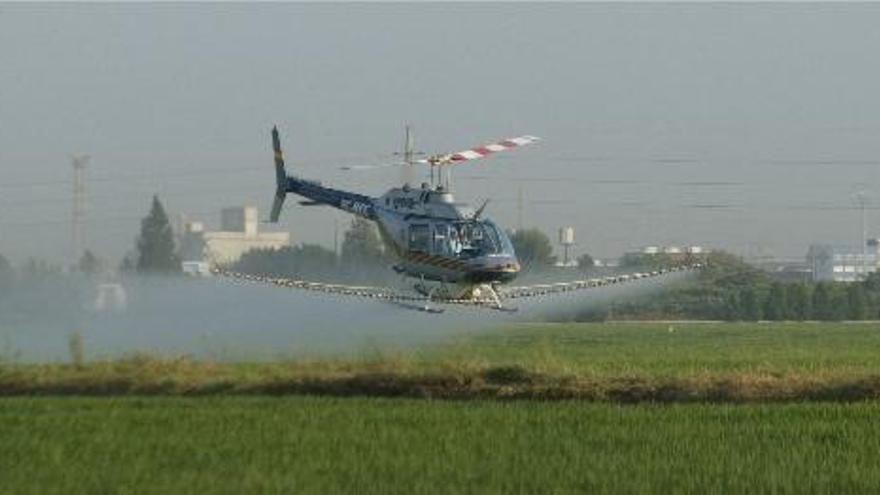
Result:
{"points": [[235, 320]]}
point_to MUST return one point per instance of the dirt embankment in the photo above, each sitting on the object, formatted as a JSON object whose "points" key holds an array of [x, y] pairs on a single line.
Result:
{"points": [[149, 376]]}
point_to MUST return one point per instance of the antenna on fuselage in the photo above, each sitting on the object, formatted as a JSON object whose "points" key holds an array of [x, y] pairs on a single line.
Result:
{"points": [[480, 209]]}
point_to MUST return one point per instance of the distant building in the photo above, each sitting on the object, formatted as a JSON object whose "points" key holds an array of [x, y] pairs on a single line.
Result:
{"points": [[841, 263], [566, 264], [238, 234], [671, 250], [674, 253]]}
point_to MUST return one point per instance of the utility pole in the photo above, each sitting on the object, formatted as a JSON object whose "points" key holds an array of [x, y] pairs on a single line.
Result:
{"points": [[79, 207], [862, 200]]}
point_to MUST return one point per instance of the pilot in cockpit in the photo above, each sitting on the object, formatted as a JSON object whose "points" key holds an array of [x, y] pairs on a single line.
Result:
{"points": [[454, 241]]}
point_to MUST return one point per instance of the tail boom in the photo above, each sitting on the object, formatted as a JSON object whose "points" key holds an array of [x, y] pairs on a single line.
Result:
{"points": [[357, 204]]}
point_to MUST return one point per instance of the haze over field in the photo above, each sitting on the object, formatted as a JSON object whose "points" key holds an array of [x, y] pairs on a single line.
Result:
{"points": [[746, 127], [226, 319]]}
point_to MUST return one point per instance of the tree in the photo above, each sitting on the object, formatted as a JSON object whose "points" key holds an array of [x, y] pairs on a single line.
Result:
{"points": [[533, 249], [750, 307], [155, 245], [839, 301], [729, 309], [872, 282], [822, 302], [586, 262], [361, 244], [647, 261], [857, 304], [7, 275], [38, 268], [776, 307], [127, 265], [727, 271], [89, 263], [800, 303], [362, 257], [308, 261]]}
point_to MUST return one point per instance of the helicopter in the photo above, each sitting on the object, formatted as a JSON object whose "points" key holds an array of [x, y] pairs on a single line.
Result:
{"points": [[456, 255], [453, 250]]}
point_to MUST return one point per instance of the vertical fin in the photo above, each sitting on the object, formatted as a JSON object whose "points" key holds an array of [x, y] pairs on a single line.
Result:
{"points": [[280, 177]]}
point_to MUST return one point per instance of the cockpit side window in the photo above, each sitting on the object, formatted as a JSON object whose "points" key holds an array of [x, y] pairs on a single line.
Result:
{"points": [[420, 238]]}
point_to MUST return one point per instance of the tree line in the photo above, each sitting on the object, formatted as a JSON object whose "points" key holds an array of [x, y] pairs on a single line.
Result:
{"points": [[729, 289], [363, 258]]}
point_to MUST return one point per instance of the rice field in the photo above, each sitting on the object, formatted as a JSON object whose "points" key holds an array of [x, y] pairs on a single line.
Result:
{"points": [[669, 362], [363, 445], [597, 408]]}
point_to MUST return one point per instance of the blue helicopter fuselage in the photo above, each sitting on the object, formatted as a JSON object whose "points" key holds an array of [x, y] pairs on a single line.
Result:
{"points": [[433, 237]]}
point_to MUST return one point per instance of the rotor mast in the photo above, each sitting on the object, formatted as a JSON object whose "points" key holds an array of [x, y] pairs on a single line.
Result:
{"points": [[407, 174]]}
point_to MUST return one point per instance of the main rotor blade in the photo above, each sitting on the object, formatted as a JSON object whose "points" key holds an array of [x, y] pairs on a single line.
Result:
{"points": [[480, 151], [461, 156], [373, 167]]}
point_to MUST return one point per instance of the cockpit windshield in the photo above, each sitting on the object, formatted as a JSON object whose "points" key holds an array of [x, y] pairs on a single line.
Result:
{"points": [[469, 239]]}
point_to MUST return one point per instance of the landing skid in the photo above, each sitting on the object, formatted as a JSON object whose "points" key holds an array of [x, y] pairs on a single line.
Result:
{"points": [[483, 296], [435, 308], [424, 308], [505, 309]]}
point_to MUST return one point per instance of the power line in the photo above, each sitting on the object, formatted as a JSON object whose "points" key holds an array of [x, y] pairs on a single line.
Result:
{"points": [[201, 172], [119, 218]]}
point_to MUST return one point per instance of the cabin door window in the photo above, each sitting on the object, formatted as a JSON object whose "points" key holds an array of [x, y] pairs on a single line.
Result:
{"points": [[441, 239]]}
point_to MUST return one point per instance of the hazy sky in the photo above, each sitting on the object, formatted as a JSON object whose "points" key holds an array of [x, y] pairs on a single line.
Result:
{"points": [[744, 127]]}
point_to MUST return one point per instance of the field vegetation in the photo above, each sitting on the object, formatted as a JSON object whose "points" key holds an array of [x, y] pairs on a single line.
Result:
{"points": [[633, 362], [671, 407], [362, 445]]}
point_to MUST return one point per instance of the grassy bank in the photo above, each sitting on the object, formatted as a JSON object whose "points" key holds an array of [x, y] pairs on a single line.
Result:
{"points": [[326, 445], [601, 362]]}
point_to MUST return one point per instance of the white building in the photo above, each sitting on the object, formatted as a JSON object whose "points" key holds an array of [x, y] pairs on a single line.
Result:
{"points": [[841, 263], [672, 250], [238, 234]]}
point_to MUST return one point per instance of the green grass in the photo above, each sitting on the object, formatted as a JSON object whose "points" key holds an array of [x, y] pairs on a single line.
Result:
{"points": [[617, 362], [680, 349], [327, 445], [236, 438]]}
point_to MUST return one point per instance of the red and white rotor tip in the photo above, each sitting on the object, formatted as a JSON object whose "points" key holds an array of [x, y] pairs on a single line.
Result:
{"points": [[481, 151]]}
